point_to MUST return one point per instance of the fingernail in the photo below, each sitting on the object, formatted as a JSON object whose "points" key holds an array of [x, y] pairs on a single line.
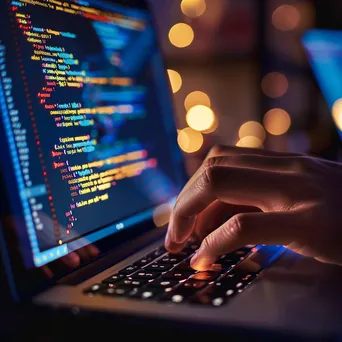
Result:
{"points": [[72, 260], [199, 263], [194, 261], [170, 245], [94, 251], [181, 239], [167, 238]]}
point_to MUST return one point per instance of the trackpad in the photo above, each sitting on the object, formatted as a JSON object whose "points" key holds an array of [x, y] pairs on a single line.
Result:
{"points": [[294, 267]]}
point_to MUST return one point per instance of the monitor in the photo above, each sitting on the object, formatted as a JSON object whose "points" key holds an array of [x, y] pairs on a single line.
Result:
{"points": [[88, 140]]}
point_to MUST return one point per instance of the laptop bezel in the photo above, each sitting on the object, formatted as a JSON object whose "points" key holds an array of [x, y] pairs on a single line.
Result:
{"points": [[24, 283]]}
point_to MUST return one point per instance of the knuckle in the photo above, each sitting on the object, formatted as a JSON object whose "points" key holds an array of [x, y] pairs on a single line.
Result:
{"points": [[208, 174], [236, 226], [303, 164], [216, 150], [213, 161], [208, 169], [207, 243]]}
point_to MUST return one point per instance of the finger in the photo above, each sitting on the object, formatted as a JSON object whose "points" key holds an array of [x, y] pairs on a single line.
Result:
{"points": [[215, 215], [252, 228], [221, 151], [72, 260], [211, 218], [93, 250], [270, 163], [250, 157], [48, 273], [246, 187], [87, 252]]}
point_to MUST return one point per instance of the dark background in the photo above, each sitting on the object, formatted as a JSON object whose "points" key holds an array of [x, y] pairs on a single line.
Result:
{"points": [[237, 44]]}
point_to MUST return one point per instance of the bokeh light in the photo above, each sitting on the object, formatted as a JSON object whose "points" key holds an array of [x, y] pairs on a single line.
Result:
{"points": [[277, 121], [275, 84], [200, 118], [189, 140], [250, 141], [197, 98], [214, 126], [193, 8], [161, 215], [337, 113], [175, 80], [252, 129], [286, 18], [181, 35]]}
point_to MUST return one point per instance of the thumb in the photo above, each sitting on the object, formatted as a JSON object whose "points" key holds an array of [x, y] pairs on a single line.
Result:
{"points": [[248, 228]]}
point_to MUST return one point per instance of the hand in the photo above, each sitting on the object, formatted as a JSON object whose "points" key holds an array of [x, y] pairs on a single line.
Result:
{"points": [[73, 260], [276, 198]]}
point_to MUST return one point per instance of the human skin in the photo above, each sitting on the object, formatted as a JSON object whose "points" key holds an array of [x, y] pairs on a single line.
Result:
{"points": [[268, 198]]}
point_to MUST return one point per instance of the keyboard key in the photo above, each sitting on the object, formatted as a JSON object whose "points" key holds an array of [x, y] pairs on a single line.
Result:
{"points": [[144, 275], [179, 295], [129, 270], [143, 262], [206, 275], [185, 253], [194, 284], [235, 277], [94, 289], [130, 282], [157, 253], [147, 293], [233, 283], [242, 253], [122, 291], [113, 279], [185, 266], [163, 284], [158, 267], [227, 262], [173, 297], [188, 251], [171, 259], [247, 249], [230, 258], [249, 277], [225, 289], [212, 295], [192, 246], [177, 275]]}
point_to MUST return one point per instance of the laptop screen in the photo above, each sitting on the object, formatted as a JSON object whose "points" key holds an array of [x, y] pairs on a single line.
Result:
{"points": [[324, 49], [87, 122]]}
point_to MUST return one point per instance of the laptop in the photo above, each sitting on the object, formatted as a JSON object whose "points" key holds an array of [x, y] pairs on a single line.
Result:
{"points": [[90, 168]]}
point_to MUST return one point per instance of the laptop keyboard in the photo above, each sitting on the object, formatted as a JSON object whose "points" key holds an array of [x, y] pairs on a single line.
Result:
{"points": [[163, 277]]}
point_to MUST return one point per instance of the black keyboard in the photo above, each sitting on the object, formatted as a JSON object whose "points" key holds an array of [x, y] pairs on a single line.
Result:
{"points": [[164, 277]]}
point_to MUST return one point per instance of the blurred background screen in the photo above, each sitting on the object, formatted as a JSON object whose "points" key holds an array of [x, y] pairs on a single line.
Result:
{"points": [[240, 75]]}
